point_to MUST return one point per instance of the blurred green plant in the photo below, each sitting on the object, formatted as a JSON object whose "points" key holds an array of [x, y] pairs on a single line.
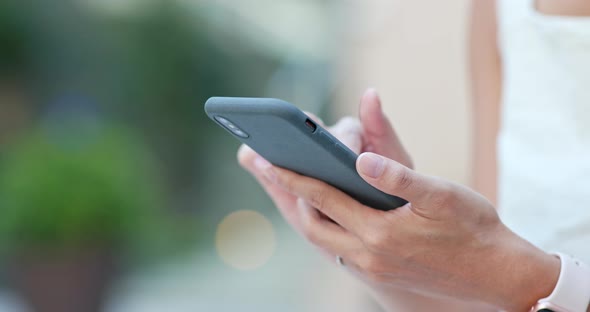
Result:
{"points": [[151, 71], [80, 188]]}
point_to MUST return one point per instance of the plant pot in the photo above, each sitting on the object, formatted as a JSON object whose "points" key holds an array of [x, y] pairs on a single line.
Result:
{"points": [[73, 281]]}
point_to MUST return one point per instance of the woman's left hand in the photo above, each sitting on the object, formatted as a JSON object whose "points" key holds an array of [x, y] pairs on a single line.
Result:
{"points": [[447, 241]]}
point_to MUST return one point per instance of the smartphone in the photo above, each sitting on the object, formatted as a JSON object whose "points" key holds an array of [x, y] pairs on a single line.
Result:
{"points": [[288, 138]]}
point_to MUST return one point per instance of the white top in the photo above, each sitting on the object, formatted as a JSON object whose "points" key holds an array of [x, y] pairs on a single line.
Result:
{"points": [[544, 141]]}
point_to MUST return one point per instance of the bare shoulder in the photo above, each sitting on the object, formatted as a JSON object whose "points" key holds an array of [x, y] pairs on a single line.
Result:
{"points": [[564, 7]]}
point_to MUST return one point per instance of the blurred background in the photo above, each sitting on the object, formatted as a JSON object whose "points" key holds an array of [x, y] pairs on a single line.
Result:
{"points": [[118, 194]]}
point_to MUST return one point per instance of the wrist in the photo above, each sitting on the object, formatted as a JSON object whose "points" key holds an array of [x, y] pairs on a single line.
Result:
{"points": [[527, 275]]}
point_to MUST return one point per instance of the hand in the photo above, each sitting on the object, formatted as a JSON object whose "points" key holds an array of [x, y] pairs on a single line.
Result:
{"points": [[373, 133], [468, 254], [447, 241]]}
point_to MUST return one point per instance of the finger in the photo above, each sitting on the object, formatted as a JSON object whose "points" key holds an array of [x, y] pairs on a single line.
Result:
{"points": [[324, 233], [379, 135], [306, 220], [335, 204], [396, 179], [284, 201], [349, 131]]}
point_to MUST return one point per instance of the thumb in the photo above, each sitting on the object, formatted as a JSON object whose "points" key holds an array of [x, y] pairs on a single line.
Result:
{"points": [[379, 135], [396, 179]]}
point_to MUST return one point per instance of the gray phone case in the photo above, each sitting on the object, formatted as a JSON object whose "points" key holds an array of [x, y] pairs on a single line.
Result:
{"points": [[286, 137]]}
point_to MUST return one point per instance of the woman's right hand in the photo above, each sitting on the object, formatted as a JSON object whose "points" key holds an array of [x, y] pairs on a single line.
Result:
{"points": [[374, 133]]}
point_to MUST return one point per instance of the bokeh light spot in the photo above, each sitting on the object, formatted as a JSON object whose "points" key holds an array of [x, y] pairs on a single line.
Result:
{"points": [[245, 240]]}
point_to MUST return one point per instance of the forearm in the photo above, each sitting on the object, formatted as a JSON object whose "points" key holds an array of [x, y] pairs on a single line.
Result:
{"points": [[486, 89], [484, 179], [484, 151]]}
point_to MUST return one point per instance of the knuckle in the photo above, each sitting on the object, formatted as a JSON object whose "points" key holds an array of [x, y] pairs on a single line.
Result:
{"points": [[371, 267], [402, 179], [376, 239], [445, 195], [287, 183], [317, 197]]}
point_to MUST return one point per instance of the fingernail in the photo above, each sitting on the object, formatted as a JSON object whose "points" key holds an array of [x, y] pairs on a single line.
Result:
{"points": [[371, 165], [265, 168]]}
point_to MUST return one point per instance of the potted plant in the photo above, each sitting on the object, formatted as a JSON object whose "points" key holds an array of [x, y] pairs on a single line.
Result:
{"points": [[73, 202]]}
